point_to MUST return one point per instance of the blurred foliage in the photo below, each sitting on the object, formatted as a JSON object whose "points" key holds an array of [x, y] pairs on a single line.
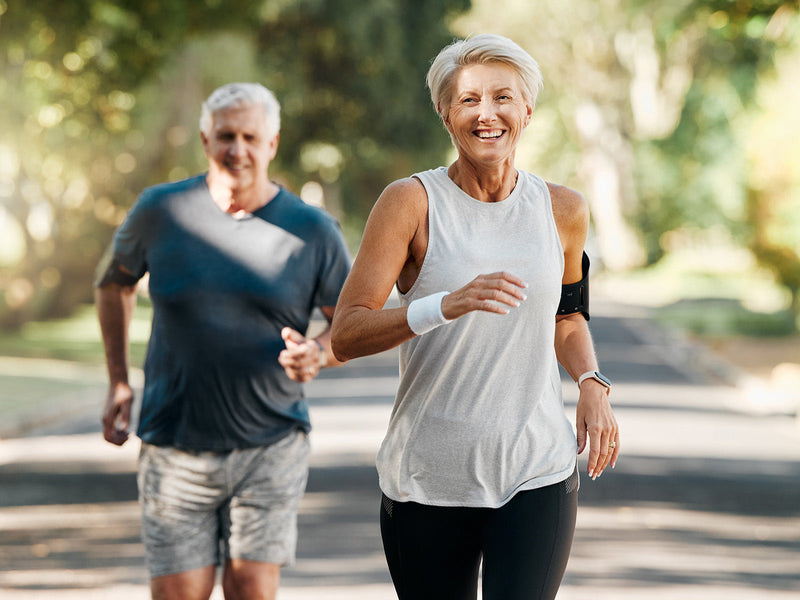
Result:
{"points": [[715, 317], [75, 338], [102, 97], [698, 175], [676, 120], [711, 169], [71, 134], [773, 200]]}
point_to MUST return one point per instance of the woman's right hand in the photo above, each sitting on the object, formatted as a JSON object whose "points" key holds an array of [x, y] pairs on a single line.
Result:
{"points": [[494, 292]]}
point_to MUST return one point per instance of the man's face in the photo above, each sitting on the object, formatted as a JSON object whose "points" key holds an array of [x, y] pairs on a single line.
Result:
{"points": [[239, 147]]}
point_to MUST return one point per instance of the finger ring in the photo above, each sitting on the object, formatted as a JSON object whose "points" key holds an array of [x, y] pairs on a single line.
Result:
{"points": [[612, 445]]}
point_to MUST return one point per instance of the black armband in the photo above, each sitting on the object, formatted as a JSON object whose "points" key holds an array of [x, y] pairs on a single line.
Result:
{"points": [[575, 296]]}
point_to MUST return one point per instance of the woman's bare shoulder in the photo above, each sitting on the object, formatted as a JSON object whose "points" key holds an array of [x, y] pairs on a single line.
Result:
{"points": [[403, 199], [409, 189], [570, 208]]}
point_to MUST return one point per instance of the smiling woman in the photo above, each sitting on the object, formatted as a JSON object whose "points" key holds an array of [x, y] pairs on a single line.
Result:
{"points": [[479, 460]]}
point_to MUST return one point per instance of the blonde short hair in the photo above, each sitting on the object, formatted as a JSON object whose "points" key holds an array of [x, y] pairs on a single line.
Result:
{"points": [[239, 94], [481, 49]]}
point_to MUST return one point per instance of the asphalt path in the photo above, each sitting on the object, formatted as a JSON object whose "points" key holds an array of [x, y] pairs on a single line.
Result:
{"points": [[704, 502]]}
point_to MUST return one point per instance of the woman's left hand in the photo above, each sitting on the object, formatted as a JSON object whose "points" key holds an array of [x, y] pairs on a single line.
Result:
{"points": [[595, 418]]}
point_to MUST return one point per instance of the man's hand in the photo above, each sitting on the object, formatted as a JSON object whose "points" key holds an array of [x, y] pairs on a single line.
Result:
{"points": [[117, 413], [302, 358]]}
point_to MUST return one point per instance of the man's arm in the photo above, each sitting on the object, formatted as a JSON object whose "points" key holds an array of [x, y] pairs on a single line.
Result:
{"points": [[115, 304]]}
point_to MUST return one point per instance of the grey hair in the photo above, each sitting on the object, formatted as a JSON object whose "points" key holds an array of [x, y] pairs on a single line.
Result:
{"points": [[239, 94], [481, 49]]}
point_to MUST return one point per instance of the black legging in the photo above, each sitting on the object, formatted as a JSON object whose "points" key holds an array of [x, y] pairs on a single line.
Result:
{"points": [[434, 553]]}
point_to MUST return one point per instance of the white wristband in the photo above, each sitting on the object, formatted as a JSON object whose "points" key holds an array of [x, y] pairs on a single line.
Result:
{"points": [[425, 313]]}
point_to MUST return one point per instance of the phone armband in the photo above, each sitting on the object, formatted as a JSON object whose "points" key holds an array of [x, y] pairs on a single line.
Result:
{"points": [[575, 296]]}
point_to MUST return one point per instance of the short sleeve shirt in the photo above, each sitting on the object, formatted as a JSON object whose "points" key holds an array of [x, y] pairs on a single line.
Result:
{"points": [[222, 289]]}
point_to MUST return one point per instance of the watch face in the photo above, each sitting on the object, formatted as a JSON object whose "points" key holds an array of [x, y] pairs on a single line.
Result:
{"points": [[602, 379]]}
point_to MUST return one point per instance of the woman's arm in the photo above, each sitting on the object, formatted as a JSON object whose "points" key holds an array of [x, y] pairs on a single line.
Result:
{"points": [[360, 327], [574, 347], [573, 341]]}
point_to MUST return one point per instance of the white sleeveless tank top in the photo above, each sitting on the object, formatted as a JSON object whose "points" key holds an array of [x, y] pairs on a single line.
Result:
{"points": [[478, 414]]}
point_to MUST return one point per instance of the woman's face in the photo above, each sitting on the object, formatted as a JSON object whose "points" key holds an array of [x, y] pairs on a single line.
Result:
{"points": [[487, 113]]}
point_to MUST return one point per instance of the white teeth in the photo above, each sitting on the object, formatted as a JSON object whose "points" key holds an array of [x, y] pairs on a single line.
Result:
{"points": [[489, 134]]}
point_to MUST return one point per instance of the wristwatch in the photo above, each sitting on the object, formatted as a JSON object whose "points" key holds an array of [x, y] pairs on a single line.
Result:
{"points": [[596, 375]]}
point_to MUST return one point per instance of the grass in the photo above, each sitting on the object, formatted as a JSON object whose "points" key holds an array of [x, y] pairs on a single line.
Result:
{"points": [[76, 338], [68, 366]]}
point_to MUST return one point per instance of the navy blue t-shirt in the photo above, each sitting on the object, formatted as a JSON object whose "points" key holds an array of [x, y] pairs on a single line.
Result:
{"points": [[222, 289]]}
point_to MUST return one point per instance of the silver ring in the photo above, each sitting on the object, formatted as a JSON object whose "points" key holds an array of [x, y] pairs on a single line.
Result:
{"points": [[612, 445]]}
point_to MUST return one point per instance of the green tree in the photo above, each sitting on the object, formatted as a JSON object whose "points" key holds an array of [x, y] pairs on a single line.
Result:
{"points": [[704, 175], [773, 159], [733, 153]]}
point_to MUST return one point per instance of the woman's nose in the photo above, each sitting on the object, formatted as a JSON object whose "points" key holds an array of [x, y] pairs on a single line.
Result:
{"points": [[488, 111]]}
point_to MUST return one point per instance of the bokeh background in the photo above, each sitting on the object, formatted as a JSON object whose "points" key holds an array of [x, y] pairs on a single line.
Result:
{"points": [[677, 120]]}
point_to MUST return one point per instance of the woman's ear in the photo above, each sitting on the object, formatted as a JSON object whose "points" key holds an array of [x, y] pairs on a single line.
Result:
{"points": [[445, 118]]}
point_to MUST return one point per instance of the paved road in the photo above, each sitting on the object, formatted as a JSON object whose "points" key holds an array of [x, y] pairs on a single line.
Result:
{"points": [[705, 502]]}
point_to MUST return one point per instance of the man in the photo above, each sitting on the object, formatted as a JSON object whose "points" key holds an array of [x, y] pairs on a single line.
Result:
{"points": [[236, 265]]}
